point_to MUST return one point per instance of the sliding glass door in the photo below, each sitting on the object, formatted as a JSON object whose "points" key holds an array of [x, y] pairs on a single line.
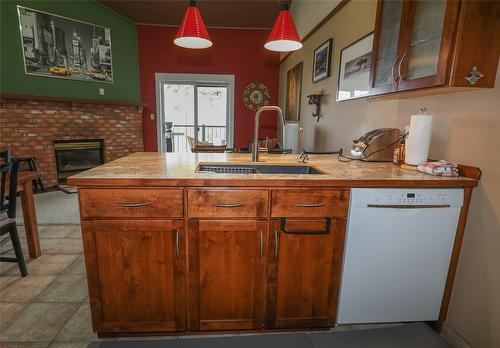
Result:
{"points": [[194, 110]]}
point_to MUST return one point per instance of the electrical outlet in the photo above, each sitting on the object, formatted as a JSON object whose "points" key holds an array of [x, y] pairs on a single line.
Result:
{"points": [[101, 91], [152, 116]]}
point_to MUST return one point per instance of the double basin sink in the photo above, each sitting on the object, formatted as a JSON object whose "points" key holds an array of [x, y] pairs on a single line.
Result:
{"points": [[256, 169]]}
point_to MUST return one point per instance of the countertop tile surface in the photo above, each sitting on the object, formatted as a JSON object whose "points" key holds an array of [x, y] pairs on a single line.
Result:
{"points": [[144, 167]]}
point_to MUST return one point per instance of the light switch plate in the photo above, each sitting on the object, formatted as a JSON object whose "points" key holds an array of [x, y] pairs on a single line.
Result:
{"points": [[101, 91]]}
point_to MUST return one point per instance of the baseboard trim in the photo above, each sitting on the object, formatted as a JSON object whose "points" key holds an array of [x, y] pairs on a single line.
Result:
{"points": [[453, 338]]}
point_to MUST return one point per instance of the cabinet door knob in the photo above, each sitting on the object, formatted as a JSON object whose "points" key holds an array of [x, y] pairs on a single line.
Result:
{"points": [[392, 69], [276, 244], [133, 205], [261, 245], [309, 205], [399, 66], [474, 75], [229, 205], [177, 244], [328, 223]]}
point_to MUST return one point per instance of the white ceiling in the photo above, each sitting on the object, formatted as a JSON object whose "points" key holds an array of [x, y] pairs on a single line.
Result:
{"points": [[308, 13]]}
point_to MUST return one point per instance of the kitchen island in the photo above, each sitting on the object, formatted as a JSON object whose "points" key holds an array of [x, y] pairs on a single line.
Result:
{"points": [[170, 249]]}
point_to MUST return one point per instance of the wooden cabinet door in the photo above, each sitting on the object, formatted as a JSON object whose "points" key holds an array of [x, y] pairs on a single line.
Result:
{"points": [[304, 272], [226, 274], [136, 274], [427, 43]]}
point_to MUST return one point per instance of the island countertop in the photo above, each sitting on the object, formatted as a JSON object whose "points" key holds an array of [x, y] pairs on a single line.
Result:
{"points": [[179, 169]]}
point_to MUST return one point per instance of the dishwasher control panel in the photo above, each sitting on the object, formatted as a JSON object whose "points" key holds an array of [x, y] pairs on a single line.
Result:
{"points": [[406, 197]]}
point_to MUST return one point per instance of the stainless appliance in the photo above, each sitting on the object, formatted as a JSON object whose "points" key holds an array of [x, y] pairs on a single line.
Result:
{"points": [[398, 250], [377, 145]]}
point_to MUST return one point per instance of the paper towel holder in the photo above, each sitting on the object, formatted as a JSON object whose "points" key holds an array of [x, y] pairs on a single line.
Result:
{"points": [[315, 99]]}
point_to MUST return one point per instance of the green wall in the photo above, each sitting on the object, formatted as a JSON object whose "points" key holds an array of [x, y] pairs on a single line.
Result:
{"points": [[125, 86]]}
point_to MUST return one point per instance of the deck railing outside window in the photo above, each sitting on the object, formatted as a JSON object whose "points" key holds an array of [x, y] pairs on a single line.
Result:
{"points": [[176, 136]]}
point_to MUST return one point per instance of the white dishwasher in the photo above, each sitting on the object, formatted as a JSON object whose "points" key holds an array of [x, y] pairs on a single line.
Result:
{"points": [[397, 254]]}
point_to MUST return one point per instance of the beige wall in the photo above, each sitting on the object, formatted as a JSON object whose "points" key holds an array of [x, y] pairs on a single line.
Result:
{"points": [[466, 129]]}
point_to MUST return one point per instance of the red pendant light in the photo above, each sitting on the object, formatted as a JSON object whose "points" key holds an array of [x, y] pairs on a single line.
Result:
{"points": [[192, 31], [284, 36]]}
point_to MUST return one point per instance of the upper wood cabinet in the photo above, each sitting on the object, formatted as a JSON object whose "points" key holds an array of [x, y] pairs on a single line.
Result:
{"points": [[423, 44]]}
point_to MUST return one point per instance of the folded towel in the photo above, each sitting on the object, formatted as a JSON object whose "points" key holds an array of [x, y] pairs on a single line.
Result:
{"points": [[439, 168]]}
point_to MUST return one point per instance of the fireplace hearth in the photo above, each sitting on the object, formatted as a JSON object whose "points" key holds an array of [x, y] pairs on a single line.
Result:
{"points": [[74, 156]]}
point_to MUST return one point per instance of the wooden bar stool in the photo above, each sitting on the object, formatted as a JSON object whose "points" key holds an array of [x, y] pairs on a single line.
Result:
{"points": [[32, 167]]}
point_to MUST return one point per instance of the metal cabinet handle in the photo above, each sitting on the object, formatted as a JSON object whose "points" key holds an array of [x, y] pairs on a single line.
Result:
{"points": [[177, 244], [392, 70], [309, 205], [276, 244], [133, 205], [230, 205], [328, 223], [399, 67], [261, 245]]}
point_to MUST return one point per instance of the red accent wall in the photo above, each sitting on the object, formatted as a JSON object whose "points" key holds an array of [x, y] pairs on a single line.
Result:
{"points": [[239, 52]]}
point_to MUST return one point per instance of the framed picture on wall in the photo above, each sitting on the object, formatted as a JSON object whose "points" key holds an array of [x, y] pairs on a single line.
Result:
{"points": [[293, 93], [355, 65], [65, 48], [322, 61]]}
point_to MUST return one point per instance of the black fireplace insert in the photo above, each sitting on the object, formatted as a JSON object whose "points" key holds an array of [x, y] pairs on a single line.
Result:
{"points": [[74, 156]]}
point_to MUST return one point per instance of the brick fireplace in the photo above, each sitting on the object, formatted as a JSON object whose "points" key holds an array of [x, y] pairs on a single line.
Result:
{"points": [[29, 127]]}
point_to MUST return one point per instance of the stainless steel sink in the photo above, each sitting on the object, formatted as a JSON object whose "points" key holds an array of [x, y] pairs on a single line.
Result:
{"points": [[257, 169]]}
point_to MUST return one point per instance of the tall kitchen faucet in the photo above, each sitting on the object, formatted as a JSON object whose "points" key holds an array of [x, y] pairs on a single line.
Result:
{"points": [[255, 144]]}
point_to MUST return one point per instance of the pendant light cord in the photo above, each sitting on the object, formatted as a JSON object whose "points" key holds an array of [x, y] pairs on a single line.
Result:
{"points": [[192, 3]]}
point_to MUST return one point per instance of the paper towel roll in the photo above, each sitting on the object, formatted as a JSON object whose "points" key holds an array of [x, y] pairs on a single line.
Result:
{"points": [[419, 139]]}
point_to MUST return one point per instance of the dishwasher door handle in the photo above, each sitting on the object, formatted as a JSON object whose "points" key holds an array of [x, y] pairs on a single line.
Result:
{"points": [[408, 206]]}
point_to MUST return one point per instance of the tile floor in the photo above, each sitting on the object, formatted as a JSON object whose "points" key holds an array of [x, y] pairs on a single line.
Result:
{"points": [[49, 307]]}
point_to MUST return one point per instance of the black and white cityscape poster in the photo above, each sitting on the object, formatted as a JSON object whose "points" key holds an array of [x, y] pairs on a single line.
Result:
{"points": [[55, 46]]}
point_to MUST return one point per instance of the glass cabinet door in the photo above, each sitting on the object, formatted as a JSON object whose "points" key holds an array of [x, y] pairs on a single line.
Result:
{"points": [[384, 78], [425, 44]]}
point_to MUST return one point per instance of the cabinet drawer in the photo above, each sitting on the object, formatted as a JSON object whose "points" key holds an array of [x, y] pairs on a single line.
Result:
{"points": [[307, 203], [134, 203], [205, 203]]}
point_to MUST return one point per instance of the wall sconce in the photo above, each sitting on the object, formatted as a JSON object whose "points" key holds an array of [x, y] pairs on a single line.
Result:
{"points": [[315, 99]]}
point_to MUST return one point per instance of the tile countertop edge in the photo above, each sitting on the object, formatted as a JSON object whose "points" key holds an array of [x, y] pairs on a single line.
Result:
{"points": [[267, 183], [173, 170]]}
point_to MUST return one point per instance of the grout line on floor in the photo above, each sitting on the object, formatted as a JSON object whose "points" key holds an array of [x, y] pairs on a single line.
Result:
{"points": [[71, 264], [67, 321]]}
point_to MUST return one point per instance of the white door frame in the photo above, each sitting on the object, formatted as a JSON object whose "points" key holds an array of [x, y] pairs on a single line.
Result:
{"points": [[197, 80]]}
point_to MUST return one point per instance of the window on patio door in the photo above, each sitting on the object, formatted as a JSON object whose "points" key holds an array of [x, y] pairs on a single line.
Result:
{"points": [[194, 109]]}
